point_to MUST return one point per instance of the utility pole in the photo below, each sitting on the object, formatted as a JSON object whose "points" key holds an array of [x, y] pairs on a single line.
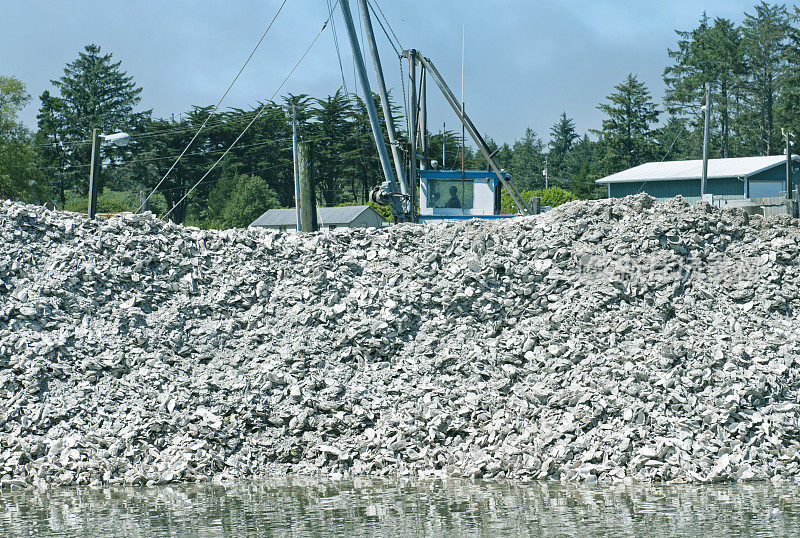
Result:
{"points": [[296, 170], [788, 135], [707, 109], [94, 174], [308, 199]]}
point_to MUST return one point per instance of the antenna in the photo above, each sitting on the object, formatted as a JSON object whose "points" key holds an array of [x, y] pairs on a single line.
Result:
{"points": [[462, 61], [463, 134]]}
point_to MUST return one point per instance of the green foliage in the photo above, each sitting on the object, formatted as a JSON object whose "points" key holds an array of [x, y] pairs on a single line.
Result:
{"points": [[110, 201], [236, 201], [752, 69], [93, 93], [553, 197], [13, 98], [765, 34], [19, 177], [527, 161], [562, 138], [628, 133]]}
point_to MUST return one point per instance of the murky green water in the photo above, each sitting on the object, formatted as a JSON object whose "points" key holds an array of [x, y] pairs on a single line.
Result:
{"points": [[302, 507]]}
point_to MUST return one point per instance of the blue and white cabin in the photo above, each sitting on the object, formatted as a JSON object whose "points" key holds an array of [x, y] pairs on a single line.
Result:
{"points": [[451, 195]]}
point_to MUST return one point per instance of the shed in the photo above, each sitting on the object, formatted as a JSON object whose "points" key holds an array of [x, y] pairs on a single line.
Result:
{"points": [[733, 178], [357, 216]]}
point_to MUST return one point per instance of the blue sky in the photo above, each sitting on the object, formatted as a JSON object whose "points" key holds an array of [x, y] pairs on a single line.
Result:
{"points": [[526, 60]]}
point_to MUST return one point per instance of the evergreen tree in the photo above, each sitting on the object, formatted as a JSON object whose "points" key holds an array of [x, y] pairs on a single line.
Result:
{"points": [[94, 93], [706, 55], [338, 153], [765, 37], [527, 161], [582, 163], [789, 103], [237, 200], [452, 149], [562, 138], [627, 134]]}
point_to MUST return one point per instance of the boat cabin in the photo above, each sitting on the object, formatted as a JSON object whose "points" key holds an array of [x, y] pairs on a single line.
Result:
{"points": [[457, 195]]}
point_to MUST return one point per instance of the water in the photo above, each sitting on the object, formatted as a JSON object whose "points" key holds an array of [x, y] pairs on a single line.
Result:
{"points": [[304, 507]]}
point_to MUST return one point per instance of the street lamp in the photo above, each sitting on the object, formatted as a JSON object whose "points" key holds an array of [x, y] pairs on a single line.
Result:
{"points": [[118, 139]]}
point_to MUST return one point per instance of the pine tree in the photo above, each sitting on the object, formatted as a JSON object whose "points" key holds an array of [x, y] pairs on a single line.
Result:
{"points": [[627, 133], [527, 161], [765, 37], [706, 55], [562, 138], [789, 102], [94, 93]]}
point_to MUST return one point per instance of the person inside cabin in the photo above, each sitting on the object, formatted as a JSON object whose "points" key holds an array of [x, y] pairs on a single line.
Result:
{"points": [[453, 202]]}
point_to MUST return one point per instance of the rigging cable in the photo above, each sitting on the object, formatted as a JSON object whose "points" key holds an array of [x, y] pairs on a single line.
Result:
{"points": [[255, 117], [336, 44], [387, 24], [217, 105], [680, 131], [384, 30]]}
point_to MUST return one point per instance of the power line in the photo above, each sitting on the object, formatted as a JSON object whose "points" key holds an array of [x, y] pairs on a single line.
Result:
{"points": [[212, 152], [336, 45], [256, 116], [680, 131], [273, 167], [218, 102], [56, 144]]}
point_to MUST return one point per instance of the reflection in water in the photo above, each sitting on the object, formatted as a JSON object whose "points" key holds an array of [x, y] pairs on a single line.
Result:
{"points": [[306, 507]]}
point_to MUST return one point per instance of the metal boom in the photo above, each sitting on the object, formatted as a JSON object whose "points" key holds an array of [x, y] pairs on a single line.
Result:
{"points": [[473, 132]]}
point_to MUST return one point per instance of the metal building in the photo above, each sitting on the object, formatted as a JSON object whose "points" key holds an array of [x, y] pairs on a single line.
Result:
{"points": [[357, 216], [731, 179]]}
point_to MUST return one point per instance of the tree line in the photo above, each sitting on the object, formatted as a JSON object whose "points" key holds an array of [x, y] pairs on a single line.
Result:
{"points": [[751, 68]]}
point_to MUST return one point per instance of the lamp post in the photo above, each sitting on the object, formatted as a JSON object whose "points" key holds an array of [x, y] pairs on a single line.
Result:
{"points": [[118, 139]]}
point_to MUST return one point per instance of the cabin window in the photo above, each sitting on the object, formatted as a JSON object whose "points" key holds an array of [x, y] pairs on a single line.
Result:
{"points": [[450, 194]]}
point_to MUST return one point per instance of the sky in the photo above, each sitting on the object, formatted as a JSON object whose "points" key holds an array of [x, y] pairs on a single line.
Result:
{"points": [[525, 61]]}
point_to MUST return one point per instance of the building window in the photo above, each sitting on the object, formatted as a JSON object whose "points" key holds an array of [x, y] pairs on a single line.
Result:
{"points": [[450, 194]]}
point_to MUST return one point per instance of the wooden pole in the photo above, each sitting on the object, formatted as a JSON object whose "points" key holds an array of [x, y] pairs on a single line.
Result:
{"points": [[706, 128], [298, 224], [94, 174], [308, 200], [788, 165], [144, 202]]}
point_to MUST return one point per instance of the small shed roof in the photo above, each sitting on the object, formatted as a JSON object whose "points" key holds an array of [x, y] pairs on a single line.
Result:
{"points": [[337, 216], [685, 170]]}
